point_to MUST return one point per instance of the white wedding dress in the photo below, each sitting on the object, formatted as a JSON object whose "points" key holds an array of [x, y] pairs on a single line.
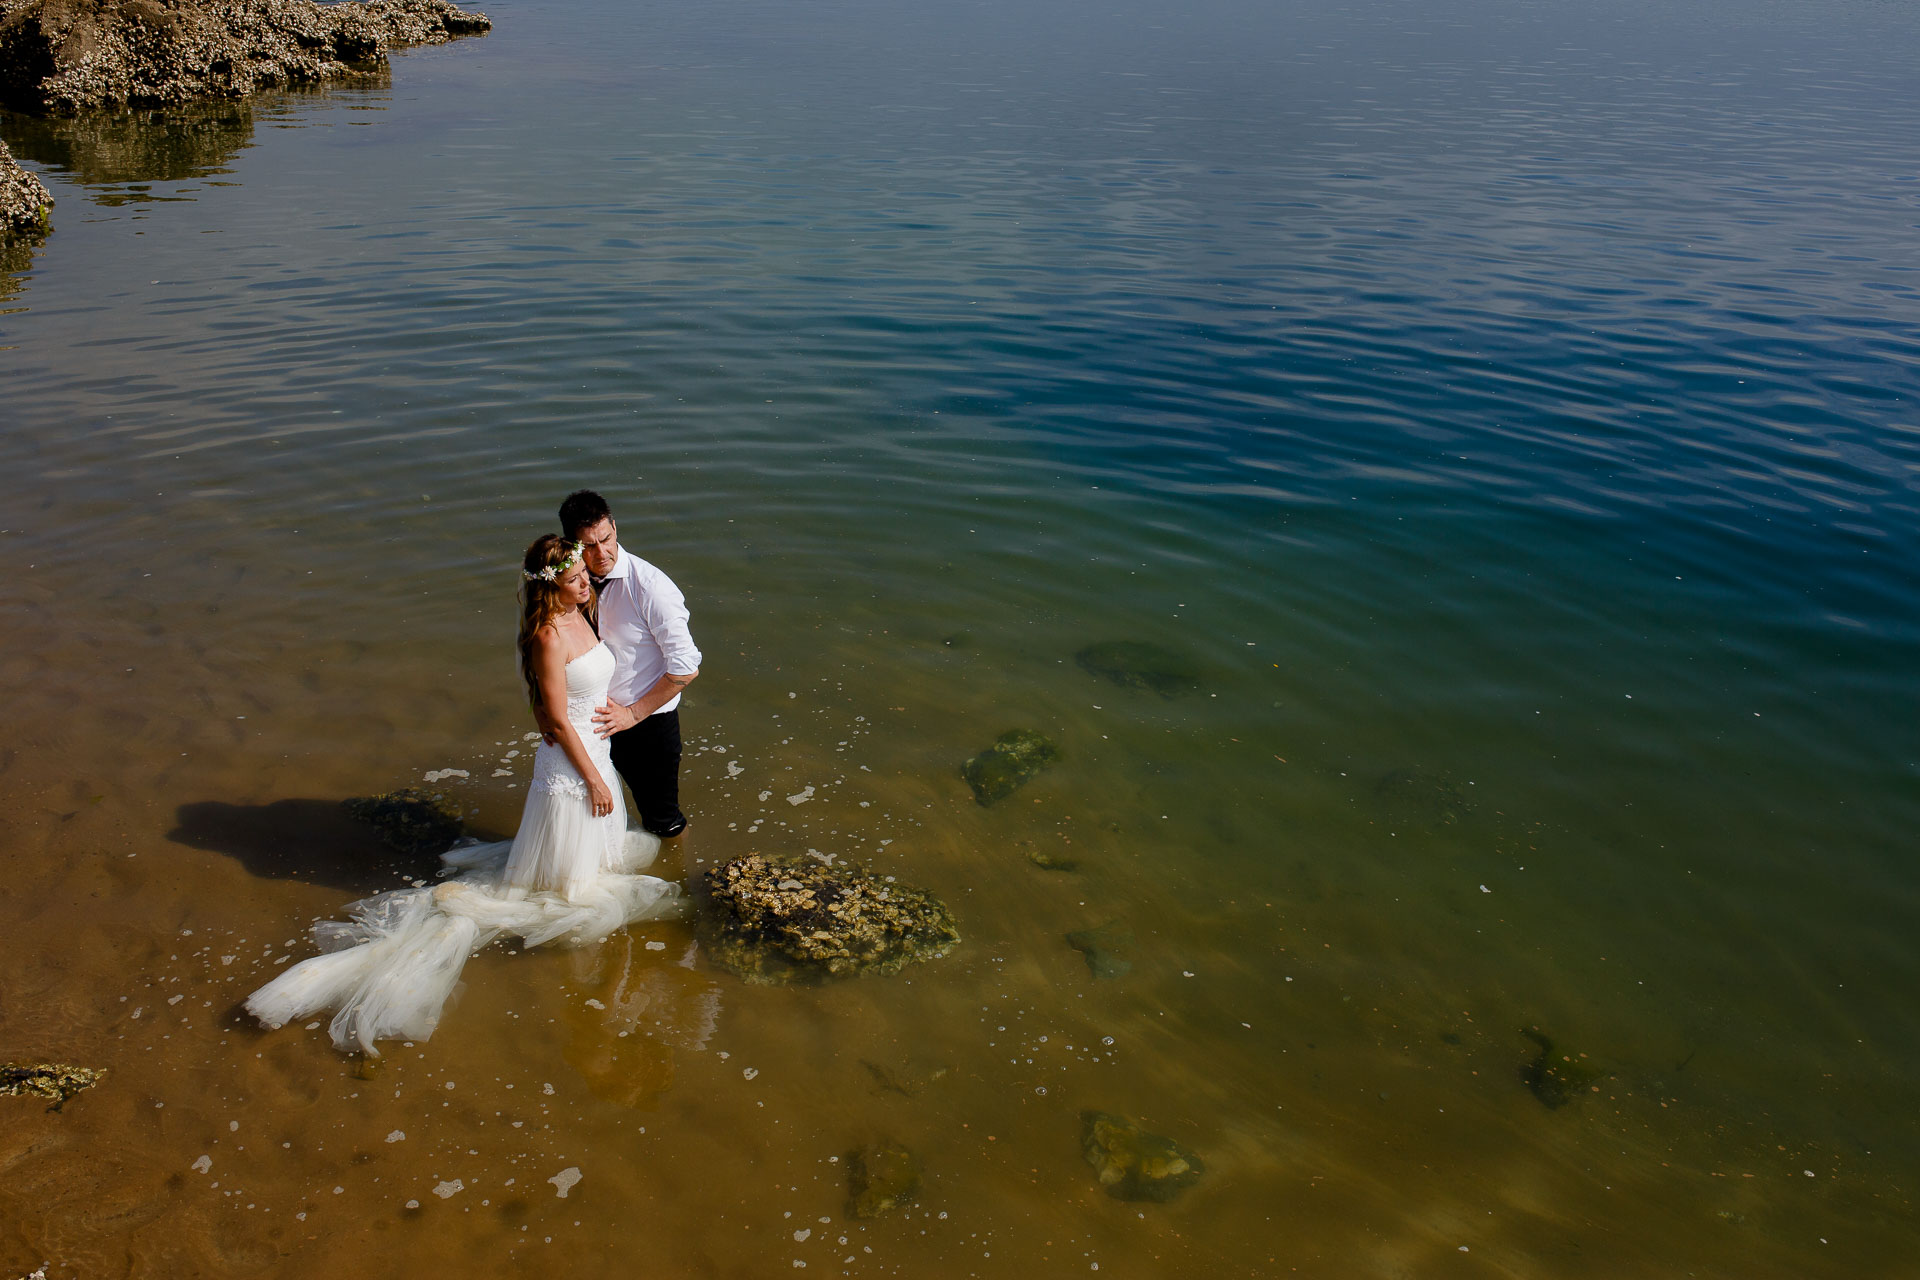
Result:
{"points": [[566, 875]]}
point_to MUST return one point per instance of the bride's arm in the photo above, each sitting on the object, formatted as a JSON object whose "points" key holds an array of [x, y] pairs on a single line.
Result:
{"points": [[550, 669]]}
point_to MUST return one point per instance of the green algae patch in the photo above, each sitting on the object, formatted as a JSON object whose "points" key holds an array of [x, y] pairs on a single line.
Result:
{"points": [[775, 922], [417, 823], [1134, 664], [54, 1081], [1015, 759], [1133, 1164], [881, 1178]]}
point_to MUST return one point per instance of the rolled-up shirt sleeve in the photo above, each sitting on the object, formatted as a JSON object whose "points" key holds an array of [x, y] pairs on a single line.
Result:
{"points": [[664, 611]]}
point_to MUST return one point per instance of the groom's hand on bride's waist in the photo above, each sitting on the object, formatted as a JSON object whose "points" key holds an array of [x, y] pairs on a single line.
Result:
{"points": [[612, 718]]}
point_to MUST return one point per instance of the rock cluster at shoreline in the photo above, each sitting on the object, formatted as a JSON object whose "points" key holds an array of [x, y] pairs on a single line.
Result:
{"points": [[776, 922], [62, 57], [54, 1081], [24, 201]]}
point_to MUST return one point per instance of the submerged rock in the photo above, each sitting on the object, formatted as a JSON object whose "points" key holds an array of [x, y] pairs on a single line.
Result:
{"points": [[1557, 1078], [1048, 860], [775, 922], [61, 57], [907, 1081], [25, 202], [880, 1178], [1013, 760], [1134, 664], [415, 822], [1133, 1164], [54, 1081], [1102, 946], [1414, 798]]}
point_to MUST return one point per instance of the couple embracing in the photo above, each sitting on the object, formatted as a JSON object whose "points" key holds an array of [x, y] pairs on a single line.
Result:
{"points": [[605, 652], [584, 590]]}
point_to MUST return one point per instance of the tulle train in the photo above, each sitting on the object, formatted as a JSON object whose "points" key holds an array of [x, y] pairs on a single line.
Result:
{"points": [[389, 969]]}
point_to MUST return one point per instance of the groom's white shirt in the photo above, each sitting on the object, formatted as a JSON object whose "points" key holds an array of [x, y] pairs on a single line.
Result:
{"points": [[643, 620]]}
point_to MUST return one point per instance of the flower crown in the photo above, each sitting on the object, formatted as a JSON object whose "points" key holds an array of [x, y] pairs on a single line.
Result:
{"points": [[554, 572]]}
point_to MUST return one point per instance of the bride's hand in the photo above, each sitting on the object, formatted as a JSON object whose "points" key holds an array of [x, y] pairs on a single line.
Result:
{"points": [[599, 797]]}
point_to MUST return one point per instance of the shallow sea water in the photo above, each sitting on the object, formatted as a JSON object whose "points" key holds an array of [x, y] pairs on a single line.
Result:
{"points": [[1507, 411]]}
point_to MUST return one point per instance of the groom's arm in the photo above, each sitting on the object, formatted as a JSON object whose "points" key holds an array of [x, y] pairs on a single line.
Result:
{"points": [[663, 612], [613, 717]]}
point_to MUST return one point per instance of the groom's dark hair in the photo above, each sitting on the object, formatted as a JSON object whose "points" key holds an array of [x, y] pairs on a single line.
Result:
{"points": [[582, 510]]}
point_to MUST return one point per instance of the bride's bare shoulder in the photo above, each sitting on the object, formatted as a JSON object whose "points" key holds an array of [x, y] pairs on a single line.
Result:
{"points": [[547, 640]]}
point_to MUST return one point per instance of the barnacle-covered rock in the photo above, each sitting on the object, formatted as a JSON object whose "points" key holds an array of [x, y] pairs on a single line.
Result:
{"points": [[54, 1081], [773, 921], [1133, 1164], [1009, 764], [415, 822], [61, 57], [24, 201]]}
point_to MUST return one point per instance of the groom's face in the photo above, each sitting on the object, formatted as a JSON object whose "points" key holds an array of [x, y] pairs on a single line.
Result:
{"points": [[600, 547]]}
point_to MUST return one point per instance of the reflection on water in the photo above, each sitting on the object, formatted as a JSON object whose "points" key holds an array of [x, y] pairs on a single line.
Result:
{"points": [[16, 260], [109, 151], [118, 155]]}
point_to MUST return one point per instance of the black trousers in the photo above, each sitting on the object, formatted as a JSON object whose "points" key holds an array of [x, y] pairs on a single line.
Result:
{"points": [[648, 757]]}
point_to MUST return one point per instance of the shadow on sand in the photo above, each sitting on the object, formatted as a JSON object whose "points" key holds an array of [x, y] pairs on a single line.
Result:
{"points": [[312, 840]]}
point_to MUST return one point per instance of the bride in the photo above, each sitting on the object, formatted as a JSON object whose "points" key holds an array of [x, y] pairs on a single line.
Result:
{"points": [[569, 874]]}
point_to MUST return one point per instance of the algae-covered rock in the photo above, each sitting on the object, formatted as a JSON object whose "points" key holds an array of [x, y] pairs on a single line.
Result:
{"points": [[775, 922], [54, 1081], [1103, 945], [1416, 798], [414, 822], [1013, 760], [1557, 1078], [1134, 664], [880, 1178], [1133, 1164]]}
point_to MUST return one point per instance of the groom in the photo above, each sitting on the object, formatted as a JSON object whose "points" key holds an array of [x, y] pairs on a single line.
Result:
{"points": [[643, 620]]}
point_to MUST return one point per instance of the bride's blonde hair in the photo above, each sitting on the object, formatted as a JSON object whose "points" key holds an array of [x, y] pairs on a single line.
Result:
{"points": [[548, 560]]}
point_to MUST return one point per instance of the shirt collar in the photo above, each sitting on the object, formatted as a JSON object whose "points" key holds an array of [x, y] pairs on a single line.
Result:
{"points": [[622, 564]]}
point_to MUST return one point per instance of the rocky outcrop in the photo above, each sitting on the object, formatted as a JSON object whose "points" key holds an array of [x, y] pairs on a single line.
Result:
{"points": [[776, 922], [61, 57], [24, 202]]}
